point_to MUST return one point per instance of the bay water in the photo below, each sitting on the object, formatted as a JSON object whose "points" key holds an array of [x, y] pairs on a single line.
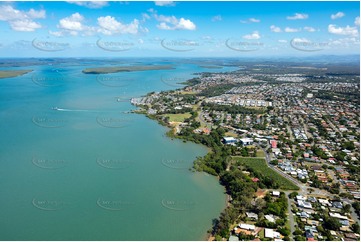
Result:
{"points": [[75, 164]]}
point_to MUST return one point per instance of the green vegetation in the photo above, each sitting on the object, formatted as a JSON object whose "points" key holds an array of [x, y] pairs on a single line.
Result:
{"points": [[260, 153], [231, 109], [216, 90], [115, 69], [260, 169], [177, 117], [13, 73]]}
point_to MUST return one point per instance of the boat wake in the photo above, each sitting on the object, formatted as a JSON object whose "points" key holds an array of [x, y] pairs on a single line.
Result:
{"points": [[87, 110], [73, 110]]}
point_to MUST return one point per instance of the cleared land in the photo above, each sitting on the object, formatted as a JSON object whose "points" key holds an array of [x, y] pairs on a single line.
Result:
{"points": [[177, 117], [10, 73], [115, 69], [259, 165]]}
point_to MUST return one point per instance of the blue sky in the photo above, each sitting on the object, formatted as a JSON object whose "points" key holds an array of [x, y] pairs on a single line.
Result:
{"points": [[202, 29]]}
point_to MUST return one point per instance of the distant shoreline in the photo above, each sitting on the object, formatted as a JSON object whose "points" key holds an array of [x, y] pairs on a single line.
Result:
{"points": [[13, 73], [116, 69]]}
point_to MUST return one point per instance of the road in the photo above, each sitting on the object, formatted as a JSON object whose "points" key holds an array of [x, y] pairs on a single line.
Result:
{"points": [[290, 215]]}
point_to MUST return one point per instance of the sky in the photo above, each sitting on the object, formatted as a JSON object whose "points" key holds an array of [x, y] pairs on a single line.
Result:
{"points": [[178, 29]]}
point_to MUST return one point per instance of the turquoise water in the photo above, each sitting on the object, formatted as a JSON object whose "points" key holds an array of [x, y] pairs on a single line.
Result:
{"points": [[91, 170]]}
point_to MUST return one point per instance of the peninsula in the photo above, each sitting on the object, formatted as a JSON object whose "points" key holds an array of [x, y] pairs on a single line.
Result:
{"points": [[283, 142], [13, 73]]}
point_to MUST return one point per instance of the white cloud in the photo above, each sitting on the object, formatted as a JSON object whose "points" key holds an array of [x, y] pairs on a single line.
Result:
{"points": [[72, 23], [108, 25], [167, 19], [217, 18], [357, 21], [352, 31], [90, 4], [298, 16], [309, 29], [250, 20], [253, 20], [164, 3], [346, 42], [301, 40], [33, 14], [282, 41], [145, 17], [25, 25], [337, 15], [21, 20], [275, 29], [172, 23], [186, 24], [254, 35], [291, 30]]}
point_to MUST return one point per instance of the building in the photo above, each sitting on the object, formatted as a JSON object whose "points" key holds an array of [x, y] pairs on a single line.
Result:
{"points": [[270, 233], [229, 140], [273, 144], [246, 141], [250, 227]]}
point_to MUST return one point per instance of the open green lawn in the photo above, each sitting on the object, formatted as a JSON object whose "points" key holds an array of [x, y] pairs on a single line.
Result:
{"points": [[259, 165], [261, 234], [177, 117], [231, 134], [260, 153]]}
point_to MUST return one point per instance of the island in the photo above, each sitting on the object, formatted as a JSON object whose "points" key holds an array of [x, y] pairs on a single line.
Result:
{"points": [[13, 73], [115, 69]]}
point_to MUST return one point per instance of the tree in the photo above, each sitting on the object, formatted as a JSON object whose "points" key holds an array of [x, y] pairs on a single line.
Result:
{"points": [[274, 162], [356, 228], [346, 208], [292, 195], [332, 223]]}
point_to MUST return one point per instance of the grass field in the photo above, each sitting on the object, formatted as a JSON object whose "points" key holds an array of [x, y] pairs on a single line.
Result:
{"points": [[231, 134], [259, 165], [7, 74], [260, 153], [177, 117]]}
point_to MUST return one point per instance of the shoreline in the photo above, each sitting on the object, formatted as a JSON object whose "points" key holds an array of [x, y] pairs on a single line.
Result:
{"points": [[170, 134]]}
